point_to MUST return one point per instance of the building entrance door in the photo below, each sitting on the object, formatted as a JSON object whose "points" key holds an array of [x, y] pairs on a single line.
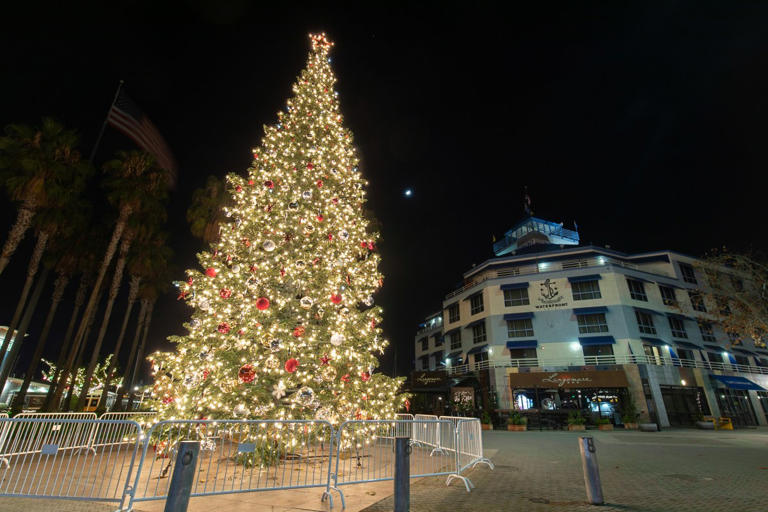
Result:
{"points": [[735, 404], [683, 404]]}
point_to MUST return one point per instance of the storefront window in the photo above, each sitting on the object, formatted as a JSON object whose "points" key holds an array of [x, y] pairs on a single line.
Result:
{"points": [[598, 354]]}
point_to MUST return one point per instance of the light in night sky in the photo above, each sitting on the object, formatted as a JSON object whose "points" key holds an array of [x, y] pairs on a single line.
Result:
{"points": [[408, 192]]}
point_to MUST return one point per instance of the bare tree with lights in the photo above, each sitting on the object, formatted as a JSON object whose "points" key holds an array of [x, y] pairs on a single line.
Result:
{"points": [[284, 323]]}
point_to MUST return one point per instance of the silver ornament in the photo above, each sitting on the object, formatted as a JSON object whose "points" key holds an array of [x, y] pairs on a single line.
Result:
{"points": [[368, 301], [344, 234], [275, 345], [337, 339], [307, 194], [301, 265], [306, 302], [236, 268], [268, 246], [240, 411], [304, 396]]}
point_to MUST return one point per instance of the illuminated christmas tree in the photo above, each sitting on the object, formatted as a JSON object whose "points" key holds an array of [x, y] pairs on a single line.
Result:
{"points": [[285, 325]]}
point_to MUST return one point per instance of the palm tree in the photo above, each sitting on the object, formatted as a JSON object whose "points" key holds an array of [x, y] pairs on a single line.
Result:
{"points": [[134, 184], [206, 213], [36, 164], [118, 405]]}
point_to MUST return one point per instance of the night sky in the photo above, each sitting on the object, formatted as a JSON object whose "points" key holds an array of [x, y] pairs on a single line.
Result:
{"points": [[646, 125]]}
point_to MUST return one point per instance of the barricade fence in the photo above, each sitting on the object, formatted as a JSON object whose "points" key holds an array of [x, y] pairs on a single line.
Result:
{"points": [[125, 458]]}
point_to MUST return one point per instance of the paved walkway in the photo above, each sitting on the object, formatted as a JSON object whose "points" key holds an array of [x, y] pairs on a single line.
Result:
{"points": [[684, 470]]}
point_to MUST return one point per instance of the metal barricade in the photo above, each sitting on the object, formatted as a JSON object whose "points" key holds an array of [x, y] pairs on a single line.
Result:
{"points": [[43, 460], [238, 456], [425, 431], [118, 433], [405, 428], [469, 444], [70, 434], [365, 453]]}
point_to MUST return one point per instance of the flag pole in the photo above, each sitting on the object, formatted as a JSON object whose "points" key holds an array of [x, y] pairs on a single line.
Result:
{"points": [[104, 124]]}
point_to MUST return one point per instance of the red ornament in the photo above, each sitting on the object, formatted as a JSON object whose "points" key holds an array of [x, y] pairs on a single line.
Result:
{"points": [[320, 218], [246, 373], [241, 332], [269, 184], [251, 182], [246, 242], [309, 165], [345, 377], [225, 294], [206, 373], [363, 244], [167, 400], [324, 360], [365, 376], [336, 299], [298, 331], [319, 183], [262, 303], [190, 281], [373, 324], [210, 272], [291, 365], [335, 200], [253, 268], [282, 272], [255, 154], [330, 236], [407, 405], [223, 328], [239, 188], [370, 246]]}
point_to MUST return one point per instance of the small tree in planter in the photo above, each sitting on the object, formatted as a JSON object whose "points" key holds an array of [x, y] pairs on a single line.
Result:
{"points": [[629, 413], [576, 421], [517, 422], [485, 419], [604, 424]]}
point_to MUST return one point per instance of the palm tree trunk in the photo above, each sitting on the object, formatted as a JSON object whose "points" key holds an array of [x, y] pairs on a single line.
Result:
{"points": [[73, 361], [67, 404], [118, 405], [58, 292], [132, 294], [117, 233], [140, 354], [113, 290], [66, 347], [33, 300], [34, 265], [16, 235]]}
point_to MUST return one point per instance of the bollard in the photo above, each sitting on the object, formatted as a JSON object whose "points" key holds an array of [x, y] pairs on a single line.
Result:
{"points": [[402, 474], [591, 471], [183, 476]]}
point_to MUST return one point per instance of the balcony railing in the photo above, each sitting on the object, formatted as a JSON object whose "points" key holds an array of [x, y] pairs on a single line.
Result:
{"points": [[536, 268], [604, 360]]}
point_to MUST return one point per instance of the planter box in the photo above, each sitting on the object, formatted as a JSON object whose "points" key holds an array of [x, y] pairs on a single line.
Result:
{"points": [[486, 426], [577, 427], [630, 426], [605, 427], [517, 428], [705, 425], [649, 427]]}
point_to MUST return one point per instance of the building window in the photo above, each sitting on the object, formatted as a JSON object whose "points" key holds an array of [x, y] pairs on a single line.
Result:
{"points": [[476, 304], [684, 353], [734, 338], [438, 340], [689, 276], [706, 331], [722, 305], [668, 295], [456, 340], [714, 357], [482, 356], [593, 352], [645, 323], [529, 354], [438, 359], [586, 290], [522, 328], [697, 301], [518, 297], [589, 324], [678, 327], [453, 312], [424, 344], [478, 333], [637, 290], [424, 365], [653, 354]]}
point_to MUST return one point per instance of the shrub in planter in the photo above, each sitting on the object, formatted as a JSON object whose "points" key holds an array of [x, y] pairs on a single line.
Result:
{"points": [[517, 422], [604, 424], [629, 414], [485, 420], [576, 421]]}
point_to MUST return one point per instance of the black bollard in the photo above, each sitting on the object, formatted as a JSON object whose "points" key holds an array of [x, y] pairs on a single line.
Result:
{"points": [[402, 474], [183, 477], [591, 471]]}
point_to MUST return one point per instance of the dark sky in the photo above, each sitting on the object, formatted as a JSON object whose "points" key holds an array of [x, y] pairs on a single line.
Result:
{"points": [[646, 124]]}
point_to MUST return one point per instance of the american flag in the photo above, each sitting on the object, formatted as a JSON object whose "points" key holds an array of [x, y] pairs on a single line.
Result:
{"points": [[128, 118]]}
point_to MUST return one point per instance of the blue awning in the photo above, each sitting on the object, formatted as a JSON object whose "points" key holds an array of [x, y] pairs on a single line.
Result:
{"points": [[635, 278], [648, 311], [716, 348], [477, 350], [654, 341], [454, 355], [590, 311], [734, 382], [687, 344], [522, 344], [476, 322], [670, 285], [743, 351], [518, 316], [596, 340], [455, 329], [581, 279], [514, 286]]}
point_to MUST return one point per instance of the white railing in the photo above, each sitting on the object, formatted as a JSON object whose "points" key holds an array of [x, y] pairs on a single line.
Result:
{"points": [[603, 360]]}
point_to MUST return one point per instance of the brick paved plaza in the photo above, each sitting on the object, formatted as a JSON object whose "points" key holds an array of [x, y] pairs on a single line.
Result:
{"points": [[641, 472]]}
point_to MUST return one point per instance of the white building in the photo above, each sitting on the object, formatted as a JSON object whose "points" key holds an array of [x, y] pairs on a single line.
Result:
{"points": [[556, 326]]}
